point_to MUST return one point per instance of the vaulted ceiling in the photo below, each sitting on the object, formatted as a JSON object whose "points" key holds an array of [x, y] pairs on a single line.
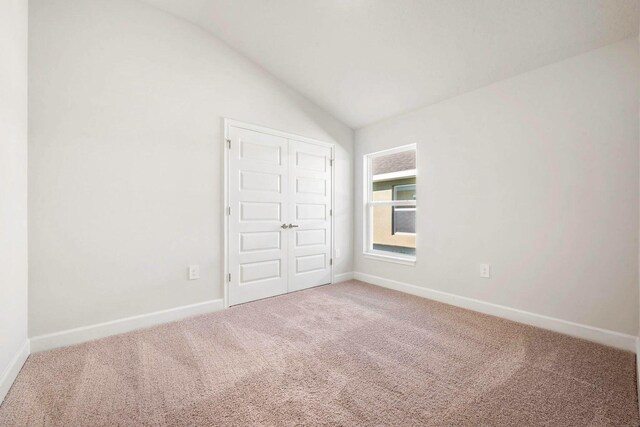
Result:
{"points": [[366, 60]]}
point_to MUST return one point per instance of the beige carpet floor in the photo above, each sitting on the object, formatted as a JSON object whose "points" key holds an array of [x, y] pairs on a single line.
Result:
{"points": [[350, 354]]}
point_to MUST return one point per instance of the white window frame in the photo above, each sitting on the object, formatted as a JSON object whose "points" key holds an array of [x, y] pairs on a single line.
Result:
{"points": [[369, 204]]}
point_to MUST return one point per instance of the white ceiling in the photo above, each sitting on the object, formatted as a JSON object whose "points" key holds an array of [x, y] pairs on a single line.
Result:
{"points": [[366, 60]]}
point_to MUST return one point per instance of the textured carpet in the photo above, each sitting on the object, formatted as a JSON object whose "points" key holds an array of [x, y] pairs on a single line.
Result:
{"points": [[350, 354]]}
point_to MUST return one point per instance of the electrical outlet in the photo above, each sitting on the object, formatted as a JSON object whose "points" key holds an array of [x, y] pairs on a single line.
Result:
{"points": [[485, 271], [194, 272]]}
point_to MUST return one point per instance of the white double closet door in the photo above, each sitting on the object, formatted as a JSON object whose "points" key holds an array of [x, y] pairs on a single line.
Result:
{"points": [[280, 199]]}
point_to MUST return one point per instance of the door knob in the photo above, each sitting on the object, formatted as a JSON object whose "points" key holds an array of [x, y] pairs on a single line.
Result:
{"points": [[293, 226], [284, 226]]}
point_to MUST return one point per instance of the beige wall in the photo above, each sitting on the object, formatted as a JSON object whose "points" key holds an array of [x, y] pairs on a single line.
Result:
{"points": [[13, 186], [126, 159], [536, 175]]}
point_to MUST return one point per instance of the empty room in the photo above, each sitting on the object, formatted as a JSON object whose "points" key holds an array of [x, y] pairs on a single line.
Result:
{"points": [[319, 213]]}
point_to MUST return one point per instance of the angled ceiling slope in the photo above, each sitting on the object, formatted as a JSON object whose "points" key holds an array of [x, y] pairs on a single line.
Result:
{"points": [[366, 60]]}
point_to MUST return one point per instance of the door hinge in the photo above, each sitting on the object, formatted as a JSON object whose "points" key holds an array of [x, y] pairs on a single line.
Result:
{"points": [[229, 277], [330, 212], [228, 143], [331, 261], [330, 162], [229, 210]]}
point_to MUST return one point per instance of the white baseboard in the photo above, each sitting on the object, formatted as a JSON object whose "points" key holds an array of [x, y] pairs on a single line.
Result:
{"points": [[591, 333], [343, 277], [10, 374], [114, 327]]}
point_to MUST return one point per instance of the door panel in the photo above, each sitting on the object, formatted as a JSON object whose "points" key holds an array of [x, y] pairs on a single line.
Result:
{"points": [[310, 263], [259, 241], [309, 208], [306, 211], [260, 211], [258, 191], [311, 237], [311, 186], [311, 161], [260, 181], [259, 271]]}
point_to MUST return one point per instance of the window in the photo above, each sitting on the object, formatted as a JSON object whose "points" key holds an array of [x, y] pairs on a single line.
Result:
{"points": [[390, 204]]}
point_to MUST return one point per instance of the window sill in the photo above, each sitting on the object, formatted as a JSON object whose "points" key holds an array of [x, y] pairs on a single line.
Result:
{"points": [[390, 258]]}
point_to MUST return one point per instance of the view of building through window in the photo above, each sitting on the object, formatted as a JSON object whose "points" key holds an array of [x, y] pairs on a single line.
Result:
{"points": [[393, 208]]}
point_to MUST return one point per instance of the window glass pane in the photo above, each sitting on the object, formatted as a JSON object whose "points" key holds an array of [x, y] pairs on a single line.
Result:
{"points": [[395, 250], [404, 220], [404, 192], [393, 229], [394, 163], [391, 170]]}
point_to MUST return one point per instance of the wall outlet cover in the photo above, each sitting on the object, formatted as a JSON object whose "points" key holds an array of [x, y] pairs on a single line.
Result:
{"points": [[194, 272], [485, 271]]}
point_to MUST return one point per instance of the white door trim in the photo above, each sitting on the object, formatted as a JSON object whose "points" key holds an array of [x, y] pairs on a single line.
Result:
{"points": [[228, 123]]}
